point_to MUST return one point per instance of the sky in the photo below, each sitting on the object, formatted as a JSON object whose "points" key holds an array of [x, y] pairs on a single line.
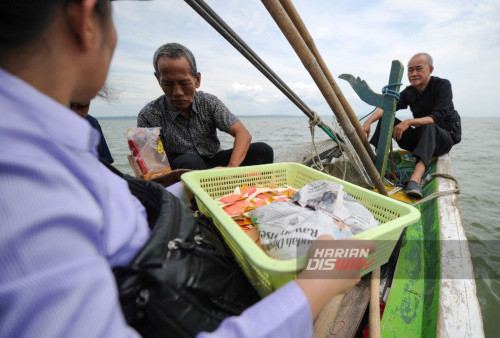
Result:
{"points": [[361, 38]]}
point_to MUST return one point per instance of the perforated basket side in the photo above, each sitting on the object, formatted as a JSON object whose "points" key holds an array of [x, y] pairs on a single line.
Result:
{"points": [[264, 272]]}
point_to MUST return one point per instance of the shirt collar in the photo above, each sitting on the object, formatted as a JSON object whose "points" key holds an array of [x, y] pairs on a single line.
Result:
{"points": [[175, 112]]}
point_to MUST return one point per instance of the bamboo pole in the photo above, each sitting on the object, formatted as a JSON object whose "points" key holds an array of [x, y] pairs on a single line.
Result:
{"points": [[374, 316], [311, 64], [299, 24], [211, 17]]}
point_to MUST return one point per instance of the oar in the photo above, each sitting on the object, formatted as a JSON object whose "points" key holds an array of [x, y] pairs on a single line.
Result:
{"points": [[311, 64], [220, 26], [299, 24]]}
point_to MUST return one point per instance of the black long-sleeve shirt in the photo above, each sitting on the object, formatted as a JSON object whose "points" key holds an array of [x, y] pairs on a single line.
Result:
{"points": [[436, 101]]}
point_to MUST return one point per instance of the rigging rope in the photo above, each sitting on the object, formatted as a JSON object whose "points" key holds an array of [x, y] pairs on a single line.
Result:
{"points": [[364, 117], [315, 121], [439, 193]]}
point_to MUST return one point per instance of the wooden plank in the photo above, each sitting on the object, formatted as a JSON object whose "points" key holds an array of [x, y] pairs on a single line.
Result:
{"points": [[404, 309], [325, 320], [459, 314], [412, 305], [344, 322]]}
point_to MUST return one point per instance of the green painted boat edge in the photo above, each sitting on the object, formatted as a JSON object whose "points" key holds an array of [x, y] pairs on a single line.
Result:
{"points": [[413, 303]]}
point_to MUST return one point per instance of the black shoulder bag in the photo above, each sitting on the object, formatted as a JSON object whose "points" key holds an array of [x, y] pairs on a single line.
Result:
{"points": [[185, 279]]}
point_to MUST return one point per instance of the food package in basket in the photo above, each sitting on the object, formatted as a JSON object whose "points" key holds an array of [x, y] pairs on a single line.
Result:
{"points": [[287, 230], [147, 152]]}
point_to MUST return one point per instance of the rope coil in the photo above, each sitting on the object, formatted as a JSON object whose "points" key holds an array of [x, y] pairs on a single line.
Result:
{"points": [[391, 92]]}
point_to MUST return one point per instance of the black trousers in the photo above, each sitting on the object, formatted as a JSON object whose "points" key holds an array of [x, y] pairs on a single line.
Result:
{"points": [[258, 153], [424, 141]]}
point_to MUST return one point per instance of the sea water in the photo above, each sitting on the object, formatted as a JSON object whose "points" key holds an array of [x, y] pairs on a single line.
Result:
{"points": [[475, 164]]}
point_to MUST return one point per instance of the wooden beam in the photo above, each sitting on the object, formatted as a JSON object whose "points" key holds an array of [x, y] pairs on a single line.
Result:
{"points": [[459, 314], [385, 139], [344, 316]]}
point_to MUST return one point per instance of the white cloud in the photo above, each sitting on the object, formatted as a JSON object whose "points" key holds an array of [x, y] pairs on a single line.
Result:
{"points": [[357, 37], [246, 92]]}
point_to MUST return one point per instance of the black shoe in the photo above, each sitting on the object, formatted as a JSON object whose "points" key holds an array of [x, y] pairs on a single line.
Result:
{"points": [[414, 189]]}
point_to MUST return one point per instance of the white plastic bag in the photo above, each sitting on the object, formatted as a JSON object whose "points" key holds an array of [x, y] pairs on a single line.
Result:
{"points": [[147, 151]]}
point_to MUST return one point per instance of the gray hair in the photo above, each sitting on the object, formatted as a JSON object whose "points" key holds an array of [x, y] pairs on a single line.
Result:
{"points": [[427, 56], [175, 50]]}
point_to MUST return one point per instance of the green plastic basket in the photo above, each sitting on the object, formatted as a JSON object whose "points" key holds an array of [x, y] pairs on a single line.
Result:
{"points": [[266, 273]]}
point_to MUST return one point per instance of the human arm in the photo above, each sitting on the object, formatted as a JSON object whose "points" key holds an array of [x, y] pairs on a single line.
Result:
{"points": [[283, 313], [290, 310], [442, 110], [377, 114], [401, 127], [242, 139], [56, 279]]}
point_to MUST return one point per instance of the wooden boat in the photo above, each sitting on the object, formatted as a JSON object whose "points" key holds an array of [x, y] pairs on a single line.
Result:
{"points": [[432, 289], [432, 292]]}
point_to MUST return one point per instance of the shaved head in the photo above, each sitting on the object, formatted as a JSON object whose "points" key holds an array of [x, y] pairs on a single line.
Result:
{"points": [[427, 57]]}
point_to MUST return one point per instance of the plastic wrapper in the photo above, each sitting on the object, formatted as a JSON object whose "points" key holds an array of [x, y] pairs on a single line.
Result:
{"points": [[287, 229], [147, 152]]}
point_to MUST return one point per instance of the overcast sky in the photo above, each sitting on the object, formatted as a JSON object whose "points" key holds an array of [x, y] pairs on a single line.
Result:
{"points": [[357, 37]]}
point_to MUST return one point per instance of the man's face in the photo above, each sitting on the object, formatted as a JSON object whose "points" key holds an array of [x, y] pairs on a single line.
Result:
{"points": [[177, 82], [419, 72]]}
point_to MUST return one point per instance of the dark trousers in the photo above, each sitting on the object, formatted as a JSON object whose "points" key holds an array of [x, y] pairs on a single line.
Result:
{"points": [[258, 153], [424, 141]]}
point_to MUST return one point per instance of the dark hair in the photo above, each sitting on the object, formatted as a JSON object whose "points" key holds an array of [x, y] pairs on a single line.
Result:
{"points": [[175, 50], [23, 21]]}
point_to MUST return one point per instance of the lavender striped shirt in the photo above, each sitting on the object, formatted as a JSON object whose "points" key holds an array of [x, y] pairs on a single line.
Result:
{"points": [[65, 220]]}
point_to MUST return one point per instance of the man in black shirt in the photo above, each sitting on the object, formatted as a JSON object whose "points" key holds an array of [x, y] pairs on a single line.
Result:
{"points": [[435, 126]]}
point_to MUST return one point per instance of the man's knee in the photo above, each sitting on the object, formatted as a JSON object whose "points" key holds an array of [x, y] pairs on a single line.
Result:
{"points": [[266, 152], [188, 161], [428, 130], [259, 153]]}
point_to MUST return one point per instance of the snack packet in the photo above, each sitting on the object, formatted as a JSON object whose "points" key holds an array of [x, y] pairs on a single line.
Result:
{"points": [[147, 152], [288, 229]]}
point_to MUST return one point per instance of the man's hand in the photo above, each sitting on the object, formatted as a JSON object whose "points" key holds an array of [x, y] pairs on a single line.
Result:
{"points": [[320, 286], [377, 115], [400, 128], [366, 129], [242, 139]]}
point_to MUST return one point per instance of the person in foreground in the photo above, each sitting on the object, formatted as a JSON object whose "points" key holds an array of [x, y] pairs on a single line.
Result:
{"points": [[82, 109], [189, 118], [435, 126], [67, 220]]}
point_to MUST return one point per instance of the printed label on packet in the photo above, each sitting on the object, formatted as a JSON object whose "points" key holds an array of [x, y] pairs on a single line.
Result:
{"points": [[159, 148]]}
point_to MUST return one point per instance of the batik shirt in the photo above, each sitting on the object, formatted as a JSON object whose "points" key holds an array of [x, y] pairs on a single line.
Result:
{"points": [[196, 135]]}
